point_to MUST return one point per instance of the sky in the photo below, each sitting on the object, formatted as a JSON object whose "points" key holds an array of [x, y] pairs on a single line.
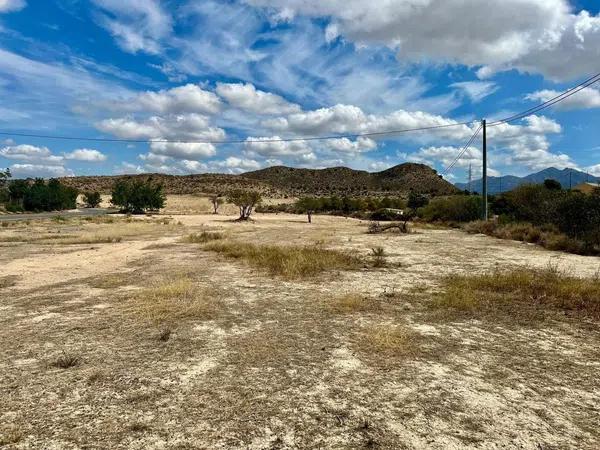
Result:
{"points": [[163, 71]]}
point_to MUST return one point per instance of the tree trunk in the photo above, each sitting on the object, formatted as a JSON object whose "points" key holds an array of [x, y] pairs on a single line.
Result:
{"points": [[309, 216]]}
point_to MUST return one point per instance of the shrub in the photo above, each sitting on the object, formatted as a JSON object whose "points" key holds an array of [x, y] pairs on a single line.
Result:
{"points": [[92, 199], [137, 196], [386, 215], [216, 201], [41, 195], [416, 201], [458, 208], [204, 237]]}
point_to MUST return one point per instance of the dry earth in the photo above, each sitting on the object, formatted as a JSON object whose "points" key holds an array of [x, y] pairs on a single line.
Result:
{"points": [[268, 363]]}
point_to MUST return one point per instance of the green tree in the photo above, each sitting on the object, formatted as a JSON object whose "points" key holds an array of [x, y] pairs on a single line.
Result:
{"points": [[92, 199], [416, 201], [137, 196], [308, 205], [245, 201], [553, 185], [4, 176]]}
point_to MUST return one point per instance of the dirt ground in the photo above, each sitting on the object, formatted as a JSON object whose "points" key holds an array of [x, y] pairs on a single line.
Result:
{"points": [[271, 366]]}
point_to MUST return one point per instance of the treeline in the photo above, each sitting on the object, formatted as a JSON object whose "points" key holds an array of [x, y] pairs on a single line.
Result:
{"points": [[546, 214], [132, 196], [337, 205], [40, 195]]}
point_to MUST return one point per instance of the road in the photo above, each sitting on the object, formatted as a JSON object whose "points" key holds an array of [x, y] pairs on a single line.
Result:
{"points": [[85, 212]]}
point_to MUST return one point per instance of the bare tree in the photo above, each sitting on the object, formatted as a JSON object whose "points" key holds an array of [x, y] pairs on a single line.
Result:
{"points": [[245, 201], [216, 201]]}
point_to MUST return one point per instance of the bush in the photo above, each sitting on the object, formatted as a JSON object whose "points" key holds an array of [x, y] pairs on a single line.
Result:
{"points": [[452, 209], [384, 215], [136, 196], [92, 199], [41, 196]]}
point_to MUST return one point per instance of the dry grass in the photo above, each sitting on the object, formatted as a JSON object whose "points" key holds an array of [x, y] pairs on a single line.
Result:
{"points": [[6, 282], [174, 300], [393, 340], [10, 435], [66, 361], [352, 303], [203, 237], [520, 291], [287, 261], [548, 236]]}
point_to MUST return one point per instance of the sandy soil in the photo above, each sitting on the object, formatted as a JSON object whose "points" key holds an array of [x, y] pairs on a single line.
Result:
{"points": [[273, 367]]}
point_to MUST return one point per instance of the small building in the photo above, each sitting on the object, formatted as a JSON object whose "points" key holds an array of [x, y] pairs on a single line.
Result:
{"points": [[587, 188]]}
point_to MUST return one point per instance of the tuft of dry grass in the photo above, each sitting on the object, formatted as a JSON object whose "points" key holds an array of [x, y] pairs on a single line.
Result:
{"points": [[66, 361], [175, 299], [10, 435], [519, 291], [203, 238], [393, 340], [351, 303], [8, 281], [287, 261]]}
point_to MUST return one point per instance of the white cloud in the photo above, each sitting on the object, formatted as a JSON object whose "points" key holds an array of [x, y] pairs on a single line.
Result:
{"points": [[585, 99], [594, 170], [237, 165], [26, 152], [39, 170], [11, 5], [189, 98], [476, 90], [183, 126], [180, 150], [445, 156], [345, 145], [137, 25], [542, 36], [265, 146], [86, 154], [248, 98]]}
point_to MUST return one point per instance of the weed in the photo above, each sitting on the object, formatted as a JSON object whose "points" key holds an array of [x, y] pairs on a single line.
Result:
{"points": [[379, 255], [7, 281], [287, 261], [165, 335], [10, 435], [66, 361]]}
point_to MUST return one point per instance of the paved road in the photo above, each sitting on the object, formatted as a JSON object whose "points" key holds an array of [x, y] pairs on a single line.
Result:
{"points": [[86, 212]]}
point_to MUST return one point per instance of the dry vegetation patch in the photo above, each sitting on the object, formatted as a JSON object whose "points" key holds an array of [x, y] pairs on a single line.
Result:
{"points": [[519, 291], [203, 237], [176, 299], [352, 303], [8, 281], [287, 261], [391, 339]]}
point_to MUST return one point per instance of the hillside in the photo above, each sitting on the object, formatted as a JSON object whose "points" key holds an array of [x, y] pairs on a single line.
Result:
{"points": [[344, 181], [281, 181], [505, 183]]}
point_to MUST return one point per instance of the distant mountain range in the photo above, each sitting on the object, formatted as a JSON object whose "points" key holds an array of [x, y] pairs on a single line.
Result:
{"points": [[281, 181], [566, 177]]}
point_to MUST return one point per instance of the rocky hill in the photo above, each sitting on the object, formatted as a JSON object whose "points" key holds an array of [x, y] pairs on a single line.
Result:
{"points": [[282, 181]]}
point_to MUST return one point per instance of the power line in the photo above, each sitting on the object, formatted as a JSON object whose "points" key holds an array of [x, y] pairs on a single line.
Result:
{"points": [[548, 103], [462, 152], [236, 141]]}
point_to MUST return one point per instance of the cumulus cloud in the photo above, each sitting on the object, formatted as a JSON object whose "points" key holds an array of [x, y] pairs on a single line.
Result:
{"points": [[181, 150], [40, 170], [585, 99], [11, 5], [248, 98], [189, 98], [594, 170], [542, 36], [136, 25], [345, 145], [265, 146], [182, 126], [349, 119], [86, 154], [26, 152]]}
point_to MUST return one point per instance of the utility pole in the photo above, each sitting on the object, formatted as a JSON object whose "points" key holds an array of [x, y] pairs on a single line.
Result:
{"points": [[570, 179], [484, 177], [470, 178]]}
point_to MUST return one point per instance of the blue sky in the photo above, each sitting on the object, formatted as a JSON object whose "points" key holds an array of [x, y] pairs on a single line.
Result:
{"points": [[151, 70]]}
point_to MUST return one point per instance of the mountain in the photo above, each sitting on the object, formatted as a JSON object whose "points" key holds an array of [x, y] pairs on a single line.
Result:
{"points": [[566, 177], [344, 181], [279, 181]]}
